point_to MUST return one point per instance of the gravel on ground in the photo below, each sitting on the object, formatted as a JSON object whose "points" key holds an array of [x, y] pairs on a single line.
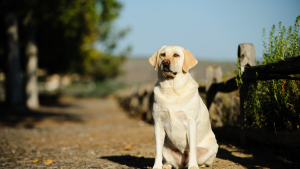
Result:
{"points": [[96, 133]]}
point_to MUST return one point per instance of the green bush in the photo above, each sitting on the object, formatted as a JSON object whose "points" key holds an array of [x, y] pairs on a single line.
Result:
{"points": [[104, 66], [276, 103]]}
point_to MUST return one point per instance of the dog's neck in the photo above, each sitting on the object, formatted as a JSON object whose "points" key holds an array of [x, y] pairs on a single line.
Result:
{"points": [[177, 83]]}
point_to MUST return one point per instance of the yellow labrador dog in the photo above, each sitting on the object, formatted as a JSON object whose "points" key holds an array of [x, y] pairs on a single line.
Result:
{"points": [[183, 134]]}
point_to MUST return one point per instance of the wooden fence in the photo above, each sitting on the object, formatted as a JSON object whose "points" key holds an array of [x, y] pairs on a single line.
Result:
{"points": [[138, 100]]}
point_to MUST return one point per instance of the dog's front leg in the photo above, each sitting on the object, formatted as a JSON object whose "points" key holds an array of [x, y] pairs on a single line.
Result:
{"points": [[159, 134], [192, 138]]}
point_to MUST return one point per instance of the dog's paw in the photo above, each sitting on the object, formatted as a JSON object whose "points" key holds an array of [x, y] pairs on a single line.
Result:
{"points": [[193, 167], [203, 165], [167, 166], [159, 166]]}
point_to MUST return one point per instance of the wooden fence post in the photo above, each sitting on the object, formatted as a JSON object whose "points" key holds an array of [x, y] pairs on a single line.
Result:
{"points": [[246, 54], [213, 100]]}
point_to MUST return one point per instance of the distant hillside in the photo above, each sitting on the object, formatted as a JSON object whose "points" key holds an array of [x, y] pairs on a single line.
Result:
{"points": [[139, 70]]}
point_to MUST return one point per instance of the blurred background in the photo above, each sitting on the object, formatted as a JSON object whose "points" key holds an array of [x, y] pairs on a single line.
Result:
{"points": [[73, 71], [93, 48]]}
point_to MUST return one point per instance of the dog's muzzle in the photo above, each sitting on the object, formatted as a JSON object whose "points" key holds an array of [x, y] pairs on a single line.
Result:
{"points": [[166, 69]]}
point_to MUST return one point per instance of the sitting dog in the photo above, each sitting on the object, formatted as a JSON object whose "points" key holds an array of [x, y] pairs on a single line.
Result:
{"points": [[183, 134]]}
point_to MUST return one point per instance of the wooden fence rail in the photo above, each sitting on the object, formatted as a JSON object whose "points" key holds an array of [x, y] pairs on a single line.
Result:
{"points": [[279, 70]]}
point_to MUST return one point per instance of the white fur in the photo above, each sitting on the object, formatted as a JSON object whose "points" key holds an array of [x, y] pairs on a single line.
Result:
{"points": [[182, 125]]}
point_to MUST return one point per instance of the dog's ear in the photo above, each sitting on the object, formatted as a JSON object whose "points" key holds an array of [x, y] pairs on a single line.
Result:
{"points": [[189, 60], [154, 58]]}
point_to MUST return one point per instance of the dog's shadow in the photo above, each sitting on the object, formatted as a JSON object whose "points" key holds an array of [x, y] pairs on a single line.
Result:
{"points": [[131, 161]]}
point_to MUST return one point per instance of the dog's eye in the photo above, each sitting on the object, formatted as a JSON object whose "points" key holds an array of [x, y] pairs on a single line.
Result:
{"points": [[162, 54], [176, 55]]}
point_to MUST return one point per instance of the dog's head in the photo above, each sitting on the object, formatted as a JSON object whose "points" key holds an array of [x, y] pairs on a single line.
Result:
{"points": [[172, 60]]}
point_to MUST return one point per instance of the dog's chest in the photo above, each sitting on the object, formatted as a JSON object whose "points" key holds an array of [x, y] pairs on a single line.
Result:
{"points": [[175, 124], [174, 112]]}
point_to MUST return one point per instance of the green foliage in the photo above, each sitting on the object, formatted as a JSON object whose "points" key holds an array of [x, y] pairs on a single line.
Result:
{"points": [[282, 46], [66, 32], [80, 23], [276, 102], [105, 66], [238, 74]]}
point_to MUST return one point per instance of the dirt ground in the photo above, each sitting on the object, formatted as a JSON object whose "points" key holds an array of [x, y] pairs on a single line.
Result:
{"points": [[96, 133]]}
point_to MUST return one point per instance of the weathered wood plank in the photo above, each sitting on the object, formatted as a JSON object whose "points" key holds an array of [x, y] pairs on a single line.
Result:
{"points": [[213, 76], [278, 70], [213, 98], [246, 55], [225, 87], [201, 89]]}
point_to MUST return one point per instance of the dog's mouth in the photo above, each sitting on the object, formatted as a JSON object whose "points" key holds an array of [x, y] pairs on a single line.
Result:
{"points": [[169, 73]]}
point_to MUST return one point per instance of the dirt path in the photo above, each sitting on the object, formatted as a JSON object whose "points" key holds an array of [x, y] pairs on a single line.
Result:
{"points": [[96, 133]]}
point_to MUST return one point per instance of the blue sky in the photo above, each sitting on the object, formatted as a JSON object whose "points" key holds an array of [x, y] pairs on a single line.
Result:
{"points": [[211, 30]]}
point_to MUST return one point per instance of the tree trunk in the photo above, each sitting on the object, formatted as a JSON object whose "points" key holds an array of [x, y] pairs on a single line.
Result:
{"points": [[14, 81], [31, 86]]}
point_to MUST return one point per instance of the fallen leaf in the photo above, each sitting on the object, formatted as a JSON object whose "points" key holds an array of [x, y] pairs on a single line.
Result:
{"points": [[129, 147], [48, 161], [35, 160]]}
